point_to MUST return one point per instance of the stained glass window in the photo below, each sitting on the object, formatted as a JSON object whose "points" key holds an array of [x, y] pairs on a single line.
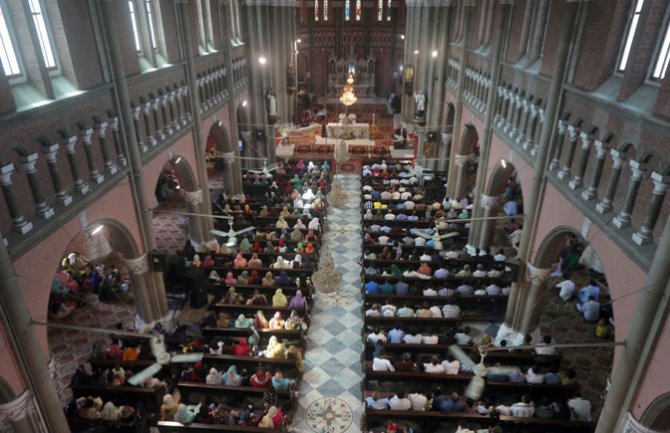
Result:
{"points": [[358, 10], [325, 10], [347, 10], [380, 10], [388, 10], [316, 10]]}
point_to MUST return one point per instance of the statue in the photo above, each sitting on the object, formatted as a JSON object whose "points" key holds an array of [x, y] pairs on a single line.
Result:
{"points": [[271, 105], [420, 112]]}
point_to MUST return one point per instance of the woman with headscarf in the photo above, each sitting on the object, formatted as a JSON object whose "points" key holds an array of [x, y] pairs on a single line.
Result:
{"points": [[254, 278], [424, 269], [283, 280], [279, 300], [263, 212], [269, 248], [213, 378], [245, 246], [230, 279], [274, 349], [243, 321], [208, 263], [296, 263], [260, 379], [280, 263], [233, 297], [281, 223], [309, 248], [268, 419], [184, 415], [279, 382], [285, 213], [297, 235], [293, 353], [299, 224], [214, 278], [240, 261], [256, 247], [255, 262], [231, 378], [268, 279], [242, 348], [395, 271], [314, 224], [168, 408], [277, 321], [260, 322], [298, 301], [294, 322], [257, 298], [243, 279]]}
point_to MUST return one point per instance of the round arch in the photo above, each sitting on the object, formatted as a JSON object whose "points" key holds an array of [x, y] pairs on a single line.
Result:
{"points": [[498, 178], [184, 173], [469, 140], [657, 415], [243, 120], [7, 394]]}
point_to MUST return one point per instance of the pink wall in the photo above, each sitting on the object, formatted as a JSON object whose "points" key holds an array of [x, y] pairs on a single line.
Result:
{"points": [[656, 380], [46, 255], [9, 369]]}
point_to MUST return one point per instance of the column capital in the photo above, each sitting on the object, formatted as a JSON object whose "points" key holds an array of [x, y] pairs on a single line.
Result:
{"points": [[586, 140], [19, 408], [638, 168], [192, 197], [101, 129], [50, 152], [461, 160], [138, 265], [70, 143], [601, 150], [562, 126], [6, 174], [228, 157], [617, 161], [114, 123], [572, 132], [537, 275], [136, 112], [28, 162], [489, 201], [86, 135], [661, 182], [146, 109]]}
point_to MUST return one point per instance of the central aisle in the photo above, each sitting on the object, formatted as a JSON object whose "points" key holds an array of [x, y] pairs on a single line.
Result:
{"points": [[330, 391]]}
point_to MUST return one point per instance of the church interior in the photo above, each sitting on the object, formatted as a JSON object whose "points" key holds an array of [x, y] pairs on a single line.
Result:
{"points": [[334, 216]]}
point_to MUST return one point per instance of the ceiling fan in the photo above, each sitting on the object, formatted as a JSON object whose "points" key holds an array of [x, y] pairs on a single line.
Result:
{"points": [[266, 171], [157, 344], [231, 234]]}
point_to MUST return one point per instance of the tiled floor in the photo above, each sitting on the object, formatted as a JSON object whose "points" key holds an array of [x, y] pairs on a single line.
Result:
{"points": [[330, 392]]}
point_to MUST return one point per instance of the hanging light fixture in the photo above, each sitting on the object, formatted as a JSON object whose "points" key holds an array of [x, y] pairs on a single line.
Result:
{"points": [[348, 98]]}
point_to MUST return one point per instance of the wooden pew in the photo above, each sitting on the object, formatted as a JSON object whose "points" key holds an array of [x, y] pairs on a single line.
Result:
{"points": [[152, 397], [172, 427]]}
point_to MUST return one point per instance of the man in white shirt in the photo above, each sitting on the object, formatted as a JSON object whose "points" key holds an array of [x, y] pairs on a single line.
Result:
{"points": [[436, 312], [405, 311], [400, 402], [580, 409], [480, 272], [382, 364], [390, 216], [418, 401], [383, 239], [493, 290], [433, 366], [374, 402], [462, 337], [500, 256], [430, 339], [429, 291], [425, 257], [566, 288], [590, 310], [420, 242], [524, 408], [377, 335], [412, 338], [451, 365], [409, 205], [451, 311], [541, 349]]}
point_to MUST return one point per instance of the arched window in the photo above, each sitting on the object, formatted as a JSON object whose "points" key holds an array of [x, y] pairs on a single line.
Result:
{"points": [[133, 22], [325, 10], [316, 10], [8, 54], [347, 10], [663, 58], [380, 10], [388, 10], [359, 10], [149, 13], [630, 34], [43, 36]]}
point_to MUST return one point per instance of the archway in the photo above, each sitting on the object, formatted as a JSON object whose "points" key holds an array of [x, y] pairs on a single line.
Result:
{"points": [[100, 282], [6, 392], [502, 198], [657, 415], [466, 167], [570, 257], [226, 178]]}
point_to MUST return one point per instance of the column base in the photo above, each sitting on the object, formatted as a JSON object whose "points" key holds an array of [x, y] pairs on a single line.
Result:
{"points": [[46, 212], [563, 173], [112, 169], [511, 336], [23, 227], [575, 183], [83, 188], [121, 161], [603, 207], [64, 199], [642, 237], [553, 165], [588, 195], [470, 249], [621, 221], [97, 178]]}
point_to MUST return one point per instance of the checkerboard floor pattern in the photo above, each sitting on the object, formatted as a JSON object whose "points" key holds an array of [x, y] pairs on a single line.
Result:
{"points": [[334, 345]]}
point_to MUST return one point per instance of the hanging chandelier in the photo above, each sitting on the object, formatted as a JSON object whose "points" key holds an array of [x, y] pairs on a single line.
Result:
{"points": [[348, 98]]}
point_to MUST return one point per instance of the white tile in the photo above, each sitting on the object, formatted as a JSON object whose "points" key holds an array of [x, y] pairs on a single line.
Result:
{"points": [[315, 377], [347, 378], [320, 336], [348, 356]]}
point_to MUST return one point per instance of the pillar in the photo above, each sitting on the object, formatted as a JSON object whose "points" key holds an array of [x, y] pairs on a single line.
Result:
{"points": [[606, 203], [155, 104], [578, 179], [19, 222], [146, 115], [156, 301], [555, 160], [489, 204], [533, 307], [164, 101], [138, 271], [573, 133], [459, 182], [79, 184], [596, 174], [120, 155], [93, 172], [43, 209], [50, 151], [229, 173], [110, 165], [532, 124], [199, 232], [644, 235], [624, 216], [20, 333], [137, 110]]}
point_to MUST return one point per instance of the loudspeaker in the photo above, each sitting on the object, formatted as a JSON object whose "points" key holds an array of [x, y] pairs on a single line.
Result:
{"points": [[159, 261], [194, 282]]}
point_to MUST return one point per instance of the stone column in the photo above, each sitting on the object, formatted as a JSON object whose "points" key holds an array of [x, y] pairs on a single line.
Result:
{"points": [[624, 216], [578, 179], [120, 155], [43, 209], [605, 204], [573, 133], [48, 415], [146, 114], [138, 271], [156, 105], [173, 105], [93, 172], [79, 184], [531, 125], [164, 99], [592, 190], [137, 110], [110, 165], [644, 235], [533, 307], [460, 161], [556, 158], [50, 151], [489, 204], [21, 415], [228, 173], [536, 138], [198, 223], [19, 222]]}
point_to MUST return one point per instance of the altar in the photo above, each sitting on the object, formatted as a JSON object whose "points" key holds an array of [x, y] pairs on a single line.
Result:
{"points": [[349, 131]]}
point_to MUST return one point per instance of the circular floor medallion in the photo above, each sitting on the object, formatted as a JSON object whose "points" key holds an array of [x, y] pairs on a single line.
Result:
{"points": [[329, 415]]}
